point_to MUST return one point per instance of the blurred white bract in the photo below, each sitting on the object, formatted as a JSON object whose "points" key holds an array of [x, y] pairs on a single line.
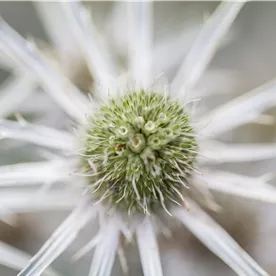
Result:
{"points": [[162, 149]]}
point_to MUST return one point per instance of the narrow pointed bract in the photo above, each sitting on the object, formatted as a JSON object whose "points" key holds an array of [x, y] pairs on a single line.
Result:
{"points": [[217, 240], [55, 25], [22, 201], [116, 28], [105, 251], [239, 185], [217, 152], [140, 41], [100, 66], [178, 46], [59, 241], [148, 249], [28, 58], [34, 173], [17, 259], [239, 111], [205, 45], [39, 135]]}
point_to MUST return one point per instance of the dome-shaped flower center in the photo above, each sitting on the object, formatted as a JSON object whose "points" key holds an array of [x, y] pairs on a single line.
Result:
{"points": [[137, 142], [143, 149]]}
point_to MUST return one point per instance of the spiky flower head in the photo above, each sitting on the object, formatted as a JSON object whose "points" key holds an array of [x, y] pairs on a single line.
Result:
{"points": [[140, 150]]}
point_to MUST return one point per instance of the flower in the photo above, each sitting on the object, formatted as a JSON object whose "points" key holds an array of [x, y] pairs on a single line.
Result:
{"points": [[137, 148]]}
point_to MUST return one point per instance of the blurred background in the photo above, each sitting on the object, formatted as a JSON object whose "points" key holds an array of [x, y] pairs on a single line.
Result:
{"points": [[247, 59]]}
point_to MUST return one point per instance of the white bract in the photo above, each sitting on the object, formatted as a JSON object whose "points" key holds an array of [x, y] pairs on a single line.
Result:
{"points": [[71, 27]]}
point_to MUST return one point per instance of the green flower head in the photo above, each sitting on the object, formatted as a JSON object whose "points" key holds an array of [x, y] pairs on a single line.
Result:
{"points": [[140, 150]]}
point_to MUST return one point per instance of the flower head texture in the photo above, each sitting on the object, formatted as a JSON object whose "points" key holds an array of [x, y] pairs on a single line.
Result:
{"points": [[144, 141], [140, 155]]}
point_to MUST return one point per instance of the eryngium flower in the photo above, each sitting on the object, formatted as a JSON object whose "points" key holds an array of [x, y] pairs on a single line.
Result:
{"points": [[135, 157], [142, 150]]}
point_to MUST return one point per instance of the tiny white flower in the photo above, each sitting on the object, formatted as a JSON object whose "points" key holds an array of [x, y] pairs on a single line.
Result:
{"points": [[139, 153]]}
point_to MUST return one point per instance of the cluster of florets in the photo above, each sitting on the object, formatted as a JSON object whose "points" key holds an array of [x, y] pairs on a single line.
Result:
{"points": [[139, 151]]}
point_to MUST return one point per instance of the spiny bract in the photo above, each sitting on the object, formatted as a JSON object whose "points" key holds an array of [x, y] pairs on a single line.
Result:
{"points": [[140, 151]]}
